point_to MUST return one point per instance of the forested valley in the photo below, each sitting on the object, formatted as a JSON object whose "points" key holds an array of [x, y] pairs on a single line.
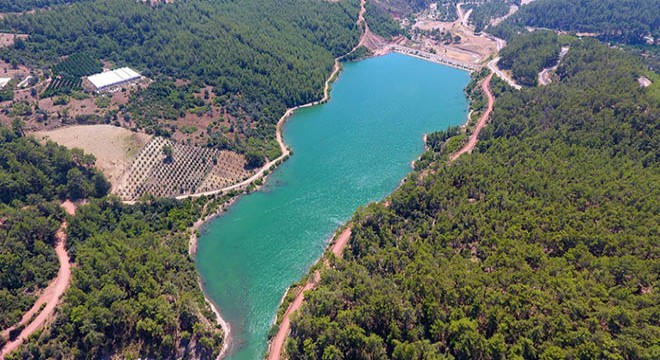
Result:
{"points": [[541, 244], [259, 56]]}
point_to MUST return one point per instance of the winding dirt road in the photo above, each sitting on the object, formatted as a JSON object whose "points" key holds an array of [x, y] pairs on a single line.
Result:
{"points": [[492, 65], [544, 75], [485, 86], [51, 295]]}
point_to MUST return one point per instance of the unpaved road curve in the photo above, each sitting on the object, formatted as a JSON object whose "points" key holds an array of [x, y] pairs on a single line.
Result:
{"points": [[485, 86], [544, 75], [51, 295], [492, 65]]}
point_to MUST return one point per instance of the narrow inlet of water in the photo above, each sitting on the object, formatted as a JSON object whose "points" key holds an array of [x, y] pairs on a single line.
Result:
{"points": [[353, 150]]}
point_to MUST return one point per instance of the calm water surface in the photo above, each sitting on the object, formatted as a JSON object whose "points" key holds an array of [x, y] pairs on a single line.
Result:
{"points": [[351, 151]]}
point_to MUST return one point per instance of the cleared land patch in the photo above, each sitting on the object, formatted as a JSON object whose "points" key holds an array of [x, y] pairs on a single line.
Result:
{"points": [[137, 164], [115, 148]]}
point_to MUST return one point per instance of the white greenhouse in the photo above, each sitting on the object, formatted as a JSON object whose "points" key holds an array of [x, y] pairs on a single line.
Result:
{"points": [[114, 78]]}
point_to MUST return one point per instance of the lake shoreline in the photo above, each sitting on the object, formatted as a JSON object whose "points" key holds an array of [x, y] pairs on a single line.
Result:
{"points": [[200, 223], [270, 166]]}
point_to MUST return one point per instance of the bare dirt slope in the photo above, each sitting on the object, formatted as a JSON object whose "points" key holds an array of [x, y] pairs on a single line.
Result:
{"points": [[115, 148]]}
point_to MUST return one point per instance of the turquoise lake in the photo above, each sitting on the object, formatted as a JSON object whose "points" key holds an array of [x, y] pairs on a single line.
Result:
{"points": [[353, 150]]}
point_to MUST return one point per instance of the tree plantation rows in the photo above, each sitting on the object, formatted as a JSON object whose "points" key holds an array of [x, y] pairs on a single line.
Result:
{"points": [[62, 85], [541, 244], [78, 65], [263, 55]]}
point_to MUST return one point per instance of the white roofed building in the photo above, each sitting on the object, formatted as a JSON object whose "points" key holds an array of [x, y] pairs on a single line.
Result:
{"points": [[4, 82], [113, 78]]}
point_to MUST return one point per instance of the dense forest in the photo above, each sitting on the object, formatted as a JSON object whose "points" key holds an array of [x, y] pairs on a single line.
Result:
{"points": [[485, 12], [381, 21], [33, 180], [24, 5], [527, 55], [134, 292], [541, 244], [261, 55], [622, 21]]}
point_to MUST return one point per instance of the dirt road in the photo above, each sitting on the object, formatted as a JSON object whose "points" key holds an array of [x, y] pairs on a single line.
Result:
{"points": [[485, 86], [492, 65], [51, 295], [463, 17], [275, 351], [544, 75]]}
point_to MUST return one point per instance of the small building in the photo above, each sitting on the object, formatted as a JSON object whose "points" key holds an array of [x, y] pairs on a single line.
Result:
{"points": [[28, 81], [4, 82], [109, 80]]}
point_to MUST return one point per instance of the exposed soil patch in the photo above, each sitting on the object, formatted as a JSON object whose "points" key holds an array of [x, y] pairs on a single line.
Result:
{"points": [[485, 86], [115, 148], [7, 39]]}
